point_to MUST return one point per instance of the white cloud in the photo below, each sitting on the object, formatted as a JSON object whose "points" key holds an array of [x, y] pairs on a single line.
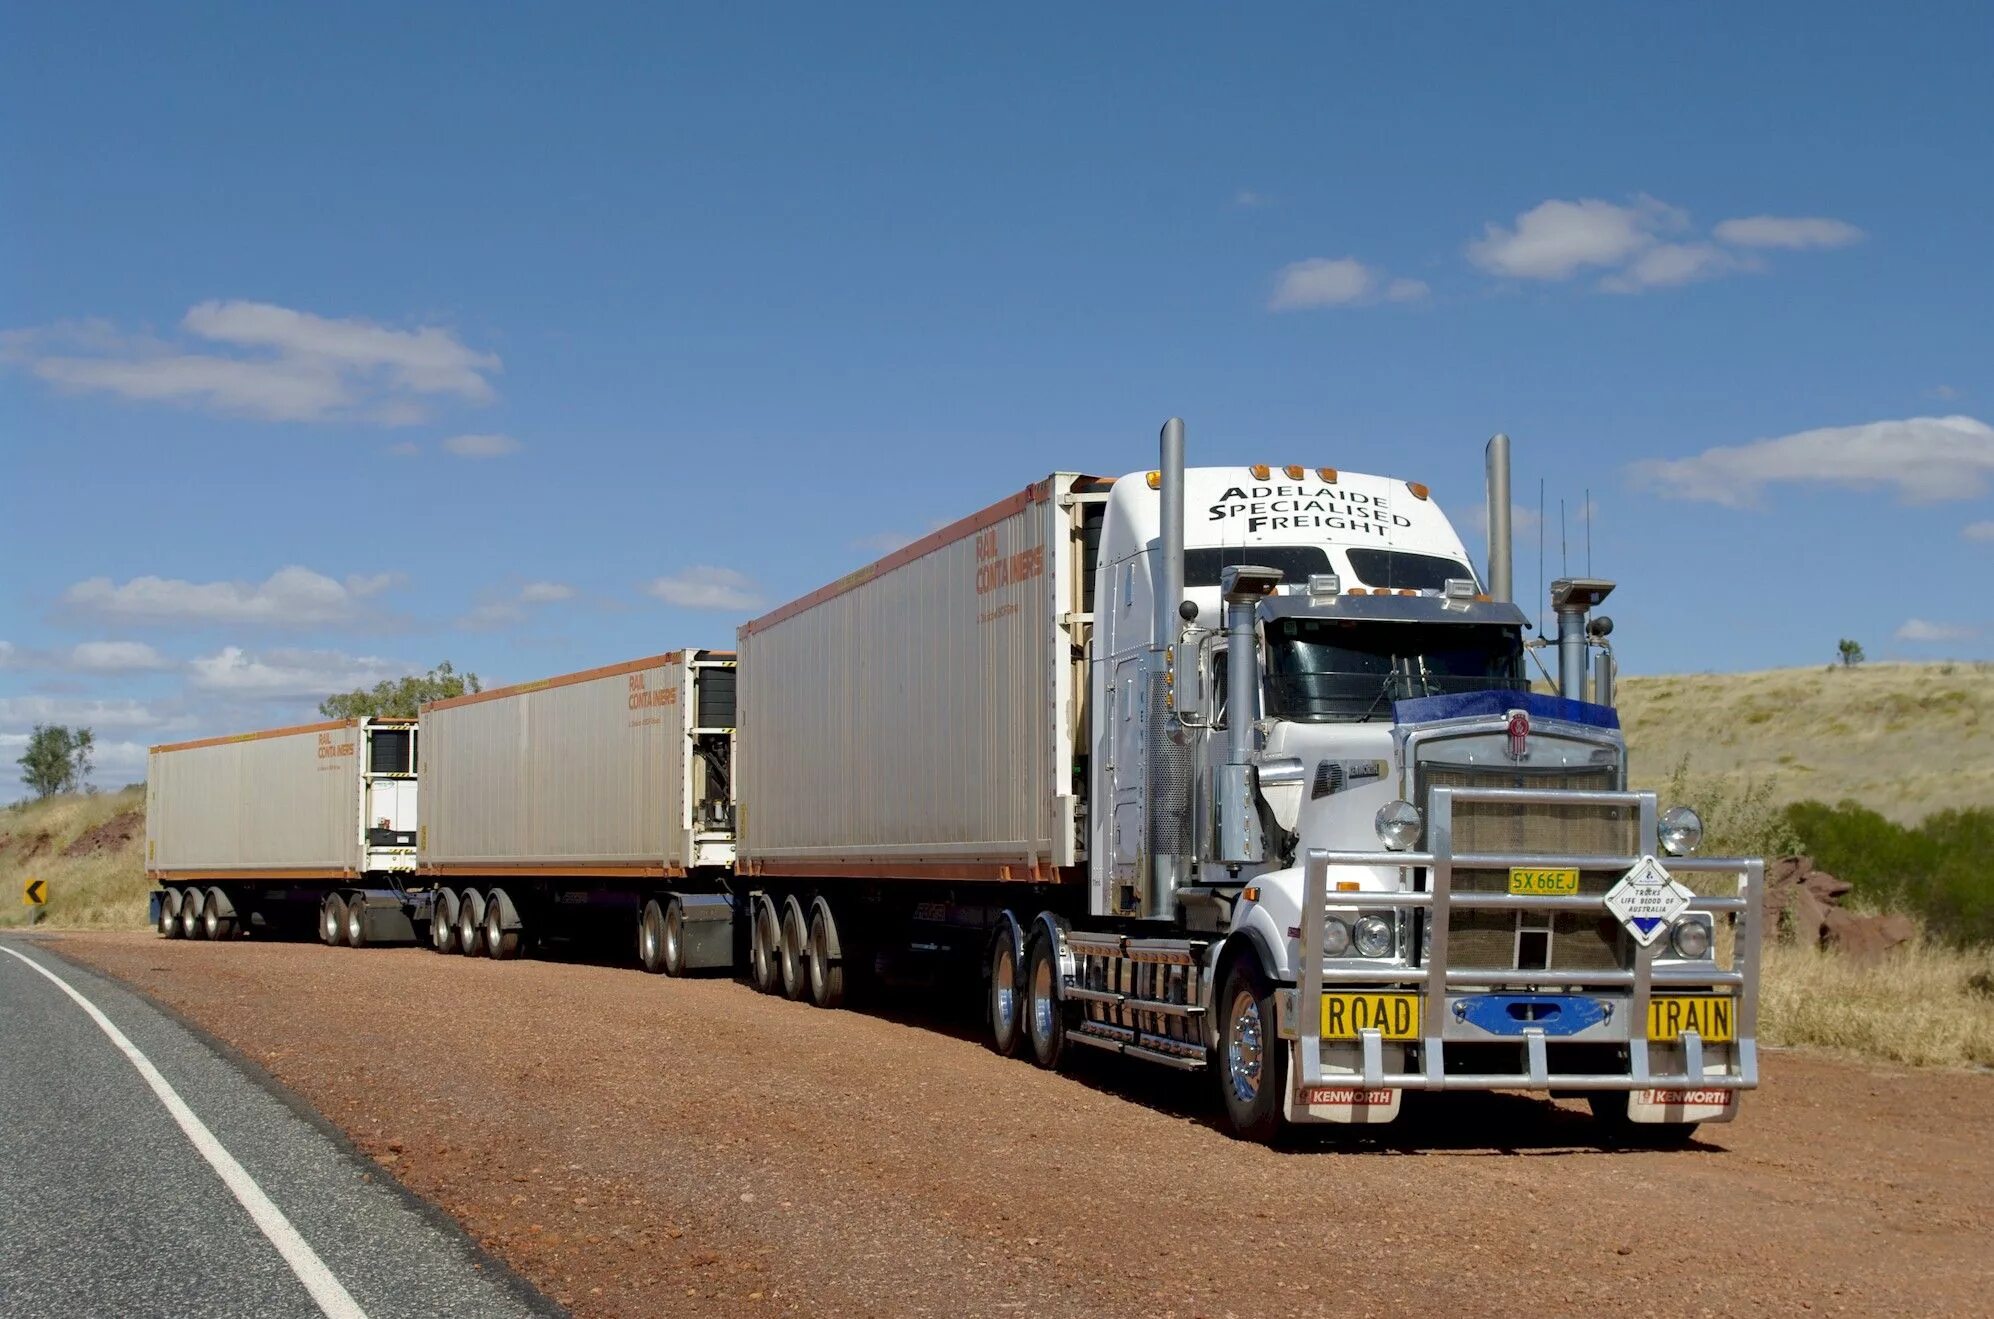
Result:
{"points": [[1337, 282], [542, 593], [1918, 630], [1667, 264], [1978, 531], [505, 612], [291, 597], [1924, 459], [1944, 393], [287, 365], [1248, 199], [482, 446], [706, 587], [22, 711], [113, 763], [287, 674], [1795, 232], [116, 657], [1555, 239], [404, 449]]}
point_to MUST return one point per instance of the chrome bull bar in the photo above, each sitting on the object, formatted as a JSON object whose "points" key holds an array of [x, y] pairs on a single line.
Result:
{"points": [[1436, 975]]}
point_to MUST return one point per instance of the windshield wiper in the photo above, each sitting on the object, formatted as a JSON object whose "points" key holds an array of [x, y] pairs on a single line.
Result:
{"points": [[1372, 708]]}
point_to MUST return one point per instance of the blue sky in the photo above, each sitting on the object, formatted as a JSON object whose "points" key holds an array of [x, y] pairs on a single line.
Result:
{"points": [[340, 343]]}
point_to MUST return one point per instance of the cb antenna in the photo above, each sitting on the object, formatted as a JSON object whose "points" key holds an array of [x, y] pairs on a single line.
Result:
{"points": [[1540, 556], [1588, 531]]}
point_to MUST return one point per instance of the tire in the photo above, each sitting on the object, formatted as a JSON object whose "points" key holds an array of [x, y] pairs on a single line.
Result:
{"points": [[1609, 1111], [651, 938], [827, 971], [443, 922], [190, 914], [501, 944], [169, 914], [674, 941], [764, 943], [356, 922], [1252, 1061], [332, 920], [1006, 993], [214, 924], [471, 922], [795, 933], [1045, 1013]]}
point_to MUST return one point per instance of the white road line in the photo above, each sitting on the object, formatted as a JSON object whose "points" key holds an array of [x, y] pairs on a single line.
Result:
{"points": [[332, 1298]]}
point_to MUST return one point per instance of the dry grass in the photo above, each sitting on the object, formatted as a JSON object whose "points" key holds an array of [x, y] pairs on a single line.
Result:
{"points": [[1903, 739], [1923, 1004], [100, 890]]}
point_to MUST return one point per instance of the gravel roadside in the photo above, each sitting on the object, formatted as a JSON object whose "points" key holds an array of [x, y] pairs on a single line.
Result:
{"points": [[637, 1146]]}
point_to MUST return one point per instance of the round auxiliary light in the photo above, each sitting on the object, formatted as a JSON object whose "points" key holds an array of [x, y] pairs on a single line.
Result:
{"points": [[1681, 831], [1373, 936], [1335, 938], [1398, 826], [1691, 938]]}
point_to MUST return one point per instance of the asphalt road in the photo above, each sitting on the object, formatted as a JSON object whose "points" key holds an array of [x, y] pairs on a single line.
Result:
{"points": [[108, 1206]]}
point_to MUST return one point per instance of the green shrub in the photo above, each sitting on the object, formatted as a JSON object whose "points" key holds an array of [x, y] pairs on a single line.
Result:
{"points": [[1942, 869]]}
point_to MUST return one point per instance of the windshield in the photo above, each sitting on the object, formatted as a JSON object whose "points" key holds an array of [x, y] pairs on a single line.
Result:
{"points": [[1322, 670]]}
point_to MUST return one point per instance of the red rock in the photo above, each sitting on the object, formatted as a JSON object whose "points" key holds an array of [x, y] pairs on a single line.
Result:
{"points": [[1806, 919]]}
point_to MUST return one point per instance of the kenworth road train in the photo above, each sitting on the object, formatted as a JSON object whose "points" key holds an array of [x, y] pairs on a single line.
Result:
{"points": [[1236, 770]]}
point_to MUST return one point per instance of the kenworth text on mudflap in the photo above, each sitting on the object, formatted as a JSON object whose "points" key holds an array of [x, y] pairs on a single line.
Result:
{"points": [[1234, 770]]}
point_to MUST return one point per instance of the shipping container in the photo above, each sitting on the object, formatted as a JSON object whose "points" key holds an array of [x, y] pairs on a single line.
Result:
{"points": [[614, 771], [923, 718]]}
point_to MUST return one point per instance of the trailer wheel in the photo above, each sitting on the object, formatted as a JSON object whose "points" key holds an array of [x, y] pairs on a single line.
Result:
{"points": [[795, 970], [332, 920], [1253, 1062], [673, 924], [1007, 997], [651, 938], [764, 938], [1609, 1111], [826, 957], [169, 914], [190, 914], [1045, 1014], [443, 921], [217, 919], [356, 921], [501, 943], [471, 922]]}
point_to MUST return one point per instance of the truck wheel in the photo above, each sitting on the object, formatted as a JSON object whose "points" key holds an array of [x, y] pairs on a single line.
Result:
{"points": [[1045, 1014], [217, 920], [764, 938], [356, 922], [501, 943], [190, 914], [795, 971], [332, 920], [1253, 1063], [1609, 1111], [651, 938], [169, 914], [826, 960], [443, 922], [1007, 998], [673, 925], [471, 922]]}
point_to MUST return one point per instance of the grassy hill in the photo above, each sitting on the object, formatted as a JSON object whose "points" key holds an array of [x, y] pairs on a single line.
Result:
{"points": [[1903, 739], [91, 850]]}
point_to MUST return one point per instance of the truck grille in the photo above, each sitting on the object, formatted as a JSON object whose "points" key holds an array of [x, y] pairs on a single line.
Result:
{"points": [[1517, 940]]}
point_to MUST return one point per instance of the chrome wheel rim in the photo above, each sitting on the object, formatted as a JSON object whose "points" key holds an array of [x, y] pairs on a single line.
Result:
{"points": [[1042, 1000], [1004, 990], [1245, 1052], [672, 922], [647, 938]]}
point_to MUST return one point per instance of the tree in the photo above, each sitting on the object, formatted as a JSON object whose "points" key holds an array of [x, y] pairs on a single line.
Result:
{"points": [[57, 759], [401, 698], [1850, 651]]}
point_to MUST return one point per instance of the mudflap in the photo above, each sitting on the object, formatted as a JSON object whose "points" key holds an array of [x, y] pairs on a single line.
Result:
{"points": [[386, 917], [1680, 1106], [709, 931], [1341, 1095], [153, 901]]}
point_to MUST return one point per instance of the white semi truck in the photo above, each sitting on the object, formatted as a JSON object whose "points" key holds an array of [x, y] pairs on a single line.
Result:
{"points": [[1240, 770]]}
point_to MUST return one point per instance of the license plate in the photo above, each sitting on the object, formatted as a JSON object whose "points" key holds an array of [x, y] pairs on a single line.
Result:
{"points": [[1542, 883], [1393, 1016], [1711, 1016]]}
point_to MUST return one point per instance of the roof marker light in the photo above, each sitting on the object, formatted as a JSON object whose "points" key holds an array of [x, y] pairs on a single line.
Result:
{"points": [[1418, 491], [1155, 480], [1294, 471], [1327, 474], [1261, 471]]}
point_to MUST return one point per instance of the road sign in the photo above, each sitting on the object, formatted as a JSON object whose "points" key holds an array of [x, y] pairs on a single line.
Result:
{"points": [[35, 892]]}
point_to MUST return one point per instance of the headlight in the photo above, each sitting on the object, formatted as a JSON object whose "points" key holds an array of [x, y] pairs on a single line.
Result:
{"points": [[1335, 938], [1691, 937], [1682, 831], [1398, 826], [1373, 936]]}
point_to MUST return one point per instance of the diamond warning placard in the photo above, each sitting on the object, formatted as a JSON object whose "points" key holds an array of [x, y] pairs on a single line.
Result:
{"points": [[1646, 899]]}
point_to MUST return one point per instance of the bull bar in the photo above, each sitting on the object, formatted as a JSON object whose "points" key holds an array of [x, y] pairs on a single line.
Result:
{"points": [[1435, 975]]}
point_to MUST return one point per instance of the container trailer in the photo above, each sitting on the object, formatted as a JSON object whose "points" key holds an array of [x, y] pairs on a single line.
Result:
{"points": [[1239, 770], [269, 830], [594, 801]]}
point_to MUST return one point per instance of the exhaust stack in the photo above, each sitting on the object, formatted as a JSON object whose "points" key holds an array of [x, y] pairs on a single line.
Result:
{"points": [[1170, 572], [1500, 545]]}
